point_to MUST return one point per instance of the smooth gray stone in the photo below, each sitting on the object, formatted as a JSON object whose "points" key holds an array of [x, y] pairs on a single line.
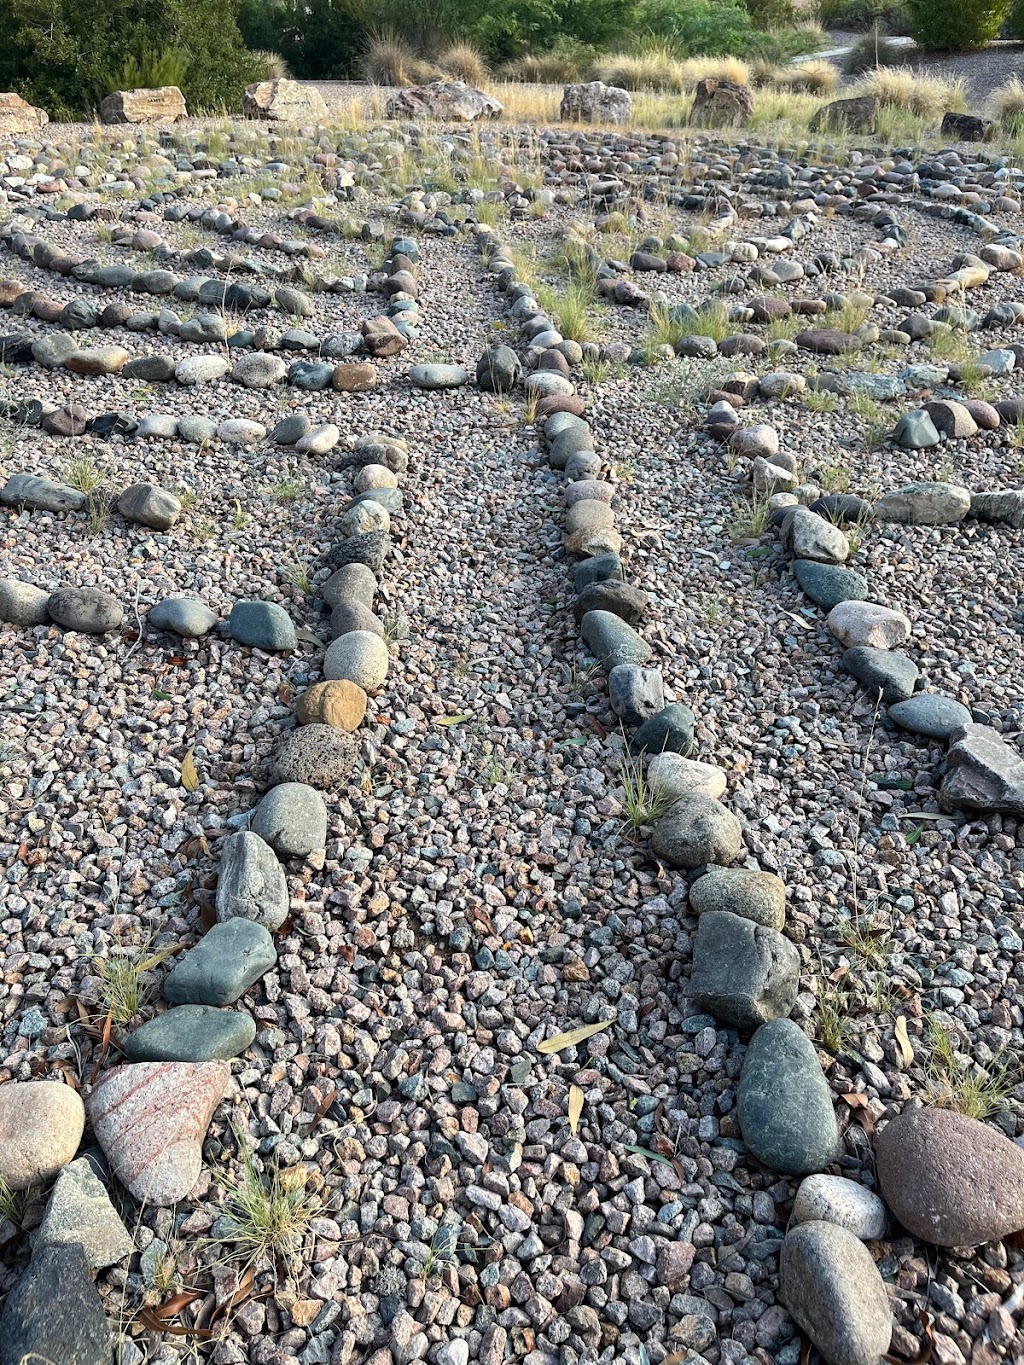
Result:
{"points": [[152, 369], [79, 1211], [882, 672], [612, 641], [835, 1293], [438, 376], [292, 818], [757, 896], [54, 1313], [23, 604], [229, 958], [611, 595], [262, 625], [196, 430], [829, 584], [28, 490], [635, 693], [90, 610], [784, 1105], [697, 831], [924, 504], [350, 583], [598, 569], [191, 1033], [291, 429], [250, 882], [186, 616], [931, 715], [743, 973], [670, 730], [390, 499]]}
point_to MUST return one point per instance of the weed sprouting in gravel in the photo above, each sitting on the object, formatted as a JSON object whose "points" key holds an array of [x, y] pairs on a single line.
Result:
{"points": [[749, 519], [642, 803], [82, 472], [820, 400], [956, 1081], [268, 1210], [834, 1022], [297, 577], [286, 490], [396, 628], [12, 1204]]}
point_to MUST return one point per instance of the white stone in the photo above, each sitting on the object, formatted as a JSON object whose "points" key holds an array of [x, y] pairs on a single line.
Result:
{"points": [[677, 777], [868, 623], [831, 1199]]}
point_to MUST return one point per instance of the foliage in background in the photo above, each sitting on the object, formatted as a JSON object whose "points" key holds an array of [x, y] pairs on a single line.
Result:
{"points": [[65, 55], [891, 16], [956, 25]]}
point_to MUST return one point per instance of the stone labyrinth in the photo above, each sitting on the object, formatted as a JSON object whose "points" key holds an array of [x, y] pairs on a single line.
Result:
{"points": [[511, 753]]}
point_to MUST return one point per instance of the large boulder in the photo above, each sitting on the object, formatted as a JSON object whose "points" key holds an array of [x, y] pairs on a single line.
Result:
{"points": [[284, 102], [165, 104], [855, 115], [18, 118], [453, 101], [595, 102], [719, 103]]}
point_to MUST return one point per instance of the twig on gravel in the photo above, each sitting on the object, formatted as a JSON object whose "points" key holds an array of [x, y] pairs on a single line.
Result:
{"points": [[138, 622]]}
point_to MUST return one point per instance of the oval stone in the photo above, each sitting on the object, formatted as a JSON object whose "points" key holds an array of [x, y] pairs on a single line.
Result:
{"points": [[784, 1105]]}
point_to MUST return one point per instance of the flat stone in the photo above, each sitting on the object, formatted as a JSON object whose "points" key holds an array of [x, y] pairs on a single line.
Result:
{"points": [[23, 604], [200, 369], [148, 505], [1005, 507], [290, 429], [150, 1118], [930, 714], [229, 958], [829, 584], [259, 370], [355, 377], [339, 703], [319, 441], [761, 441], [671, 729], [949, 1179], [361, 657], [835, 1293], [292, 819], [151, 369], [697, 831], [158, 424], [743, 973], [79, 1212], [262, 625], [185, 616], [191, 1033], [54, 1313], [882, 672], [635, 693], [857, 624], [27, 490], [597, 569], [41, 1124], [241, 432], [318, 755], [842, 508], [983, 773], [756, 896], [250, 881], [612, 641], [784, 1105], [89, 610], [924, 504], [676, 777], [845, 1203], [438, 376]]}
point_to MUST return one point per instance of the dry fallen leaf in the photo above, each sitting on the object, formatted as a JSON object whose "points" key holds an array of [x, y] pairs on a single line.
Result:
{"points": [[574, 1036], [904, 1041], [575, 1108], [450, 720], [189, 776]]}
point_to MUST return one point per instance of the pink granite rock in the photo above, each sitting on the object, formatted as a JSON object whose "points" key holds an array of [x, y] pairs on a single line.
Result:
{"points": [[151, 1118]]}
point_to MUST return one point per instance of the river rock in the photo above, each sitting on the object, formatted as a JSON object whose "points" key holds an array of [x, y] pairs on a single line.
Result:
{"points": [[262, 625], [833, 1289], [670, 729], [27, 490], [250, 881], [931, 715], [185, 616], [227, 960], [833, 1199], [949, 1179], [924, 504], [882, 672], [191, 1033], [784, 1105], [697, 831], [89, 610], [41, 1124], [635, 693], [318, 755], [23, 604], [743, 973], [756, 896], [612, 641], [339, 703], [860, 624], [805, 535], [150, 1118], [292, 819], [360, 657], [676, 777], [148, 505], [829, 584]]}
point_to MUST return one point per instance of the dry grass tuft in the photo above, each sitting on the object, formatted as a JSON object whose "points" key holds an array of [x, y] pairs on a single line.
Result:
{"points": [[463, 62], [927, 96], [1006, 106]]}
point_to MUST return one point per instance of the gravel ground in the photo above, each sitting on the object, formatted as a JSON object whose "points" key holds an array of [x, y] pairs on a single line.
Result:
{"points": [[479, 890]]}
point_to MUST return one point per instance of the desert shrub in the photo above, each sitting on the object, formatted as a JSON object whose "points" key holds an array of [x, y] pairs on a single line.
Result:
{"points": [[891, 15], [696, 69], [700, 27], [273, 66], [152, 69], [652, 69], [900, 86], [772, 13], [387, 60], [543, 68], [816, 78], [1006, 105], [872, 51], [463, 62], [956, 25]]}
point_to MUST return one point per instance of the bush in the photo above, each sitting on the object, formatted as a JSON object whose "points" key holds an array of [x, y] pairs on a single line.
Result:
{"points": [[151, 70], [699, 27], [653, 69], [892, 16], [544, 68], [272, 66], [771, 13], [815, 78], [387, 60], [873, 51], [956, 25]]}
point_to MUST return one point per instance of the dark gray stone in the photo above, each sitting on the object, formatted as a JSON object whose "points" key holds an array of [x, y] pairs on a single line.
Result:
{"points": [[26, 490], [191, 1033], [784, 1105], [291, 429], [612, 641], [54, 1313], [370, 549], [743, 973], [151, 369], [262, 625], [635, 693], [185, 616], [829, 584], [226, 961], [931, 715], [23, 604], [79, 1211], [621, 599], [671, 730], [882, 671], [598, 569]]}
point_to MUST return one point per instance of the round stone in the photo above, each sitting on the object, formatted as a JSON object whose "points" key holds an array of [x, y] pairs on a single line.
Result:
{"points": [[186, 616], [855, 623], [23, 604], [350, 616], [757, 896], [836, 1294], [360, 657], [90, 610], [41, 1125], [697, 831], [374, 476], [831, 1199], [676, 777], [317, 755], [351, 583], [292, 819], [339, 703], [784, 1105]]}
